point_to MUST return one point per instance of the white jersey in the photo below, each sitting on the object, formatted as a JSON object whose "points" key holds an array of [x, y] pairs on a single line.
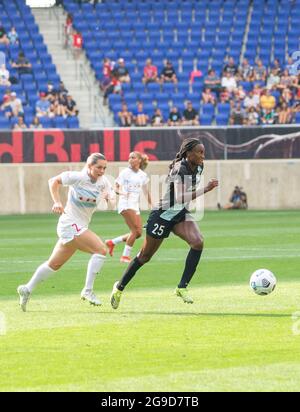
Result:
{"points": [[131, 183], [84, 196]]}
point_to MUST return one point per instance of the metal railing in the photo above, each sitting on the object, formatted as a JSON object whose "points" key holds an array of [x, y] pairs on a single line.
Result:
{"points": [[83, 75]]}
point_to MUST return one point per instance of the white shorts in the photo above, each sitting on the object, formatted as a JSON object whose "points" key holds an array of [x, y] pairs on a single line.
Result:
{"points": [[125, 205], [67, 230]]}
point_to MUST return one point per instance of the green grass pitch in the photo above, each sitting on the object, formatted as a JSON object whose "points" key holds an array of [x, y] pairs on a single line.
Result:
{"points": [[228, 340]]}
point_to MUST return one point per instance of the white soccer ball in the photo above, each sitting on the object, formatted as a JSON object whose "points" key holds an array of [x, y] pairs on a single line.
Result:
{"points": [[263, 282]]}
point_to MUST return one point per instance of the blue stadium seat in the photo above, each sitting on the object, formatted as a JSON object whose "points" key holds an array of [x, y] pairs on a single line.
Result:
{"points": [[206, 120], [46, 122], [60, 122], [297, 118], [4, 124]]}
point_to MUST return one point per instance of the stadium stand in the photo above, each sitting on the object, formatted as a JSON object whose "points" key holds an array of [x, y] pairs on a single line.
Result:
{"points": [[193, 35], [27, 84]]}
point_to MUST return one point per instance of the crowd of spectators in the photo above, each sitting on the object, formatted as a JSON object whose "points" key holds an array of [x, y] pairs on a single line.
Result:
{"points": [[254, 94], [50, 104]]}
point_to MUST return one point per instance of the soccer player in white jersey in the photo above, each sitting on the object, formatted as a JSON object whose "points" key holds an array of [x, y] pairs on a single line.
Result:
{"points": [[86, 189], [129, 186]]}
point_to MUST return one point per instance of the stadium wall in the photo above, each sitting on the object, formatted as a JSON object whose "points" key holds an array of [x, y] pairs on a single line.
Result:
{"points": [[269, 184], [43, 146]]}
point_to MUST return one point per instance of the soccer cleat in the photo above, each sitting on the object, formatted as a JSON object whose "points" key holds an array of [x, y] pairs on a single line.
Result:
{"points": [[110, 244], [90, 296], [183, 294], [115, 296], [24, 296], [125, 259]]}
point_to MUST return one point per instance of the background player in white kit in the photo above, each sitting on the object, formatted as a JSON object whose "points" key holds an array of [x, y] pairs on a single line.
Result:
{"points": [[129, 185], [86, 189]]}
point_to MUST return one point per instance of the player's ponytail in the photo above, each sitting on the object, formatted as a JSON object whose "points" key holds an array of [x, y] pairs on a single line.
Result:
{"points": [[144, 161], [143, 158]]}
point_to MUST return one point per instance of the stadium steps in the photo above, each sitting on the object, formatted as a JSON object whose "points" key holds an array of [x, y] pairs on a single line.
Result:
{"points": [[86, 98]]}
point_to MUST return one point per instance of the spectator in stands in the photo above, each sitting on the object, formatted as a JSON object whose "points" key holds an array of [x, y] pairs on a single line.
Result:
{"points": [[62, 88], [150, 72], [140, 117], [286, 80], [284, 114], [3, 36], [42, 106], [251, 101], [276, 66], [57, 109], [174, 117], [260, 71], [268, 117], [50, 93], [238, 115], [4, 76], [229, 82], [68, 28], [125, 116], [246, 72], [208, 97], [252, 117], [36, 123], [257, 91], [5, 104], [114, 86], [287, 96], [190, 116], [195, 73], [213, 82], [267, 101], [290, 66], [239, 93], [157, 118], [70, 107], [121, 72], [230, 67], [224, 96], [77, 43], [168, 73], [273, 79], [106, 73], [15, 105], [22, 64], [13, 36], [20, 125]]}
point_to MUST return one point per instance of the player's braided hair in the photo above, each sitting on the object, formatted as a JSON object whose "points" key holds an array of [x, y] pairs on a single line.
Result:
{"points": [[187, 146]]}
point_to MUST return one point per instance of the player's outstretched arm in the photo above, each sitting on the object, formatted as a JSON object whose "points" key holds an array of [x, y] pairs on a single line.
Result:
{"points": [[54, 186], [183, 196]]}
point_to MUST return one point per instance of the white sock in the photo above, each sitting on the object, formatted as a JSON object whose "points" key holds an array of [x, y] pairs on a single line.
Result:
{"points": [[42, 273], [127, 250], [94, 266], [118, 240]]}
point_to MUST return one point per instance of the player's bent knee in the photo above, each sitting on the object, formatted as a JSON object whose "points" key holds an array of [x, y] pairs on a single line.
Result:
{"points": [[101, 251], [138, 233], [55, 266], [144, 258], [197, 244]]}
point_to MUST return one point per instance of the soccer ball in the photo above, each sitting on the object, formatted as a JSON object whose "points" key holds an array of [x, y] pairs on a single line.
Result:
{"points": [[262, 282]]}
